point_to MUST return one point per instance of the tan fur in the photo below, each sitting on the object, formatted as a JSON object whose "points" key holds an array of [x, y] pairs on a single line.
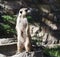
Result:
{"points": [[23, 34]]}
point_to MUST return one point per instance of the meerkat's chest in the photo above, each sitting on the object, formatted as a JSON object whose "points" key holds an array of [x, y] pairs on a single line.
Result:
{"points": [[23, 23]]}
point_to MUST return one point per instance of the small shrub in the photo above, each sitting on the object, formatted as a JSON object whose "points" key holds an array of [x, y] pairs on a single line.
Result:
{"points": [[53, 51], [7, 27]]}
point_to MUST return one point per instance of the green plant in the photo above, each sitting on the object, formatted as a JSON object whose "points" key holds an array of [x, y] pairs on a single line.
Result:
{"points": [[7, 27], [53, 51], [9, 18]]}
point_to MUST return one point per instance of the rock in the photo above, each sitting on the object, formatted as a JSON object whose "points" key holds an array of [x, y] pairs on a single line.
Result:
{"points": [[29, 54], [44, 34], [51, 40], [1, 55], [44, 39], [5, 41], [11, 7], [34, 30]]}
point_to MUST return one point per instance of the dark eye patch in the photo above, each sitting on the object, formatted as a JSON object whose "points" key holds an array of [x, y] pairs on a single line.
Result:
{"points": [[21, 12], [26, 10]]}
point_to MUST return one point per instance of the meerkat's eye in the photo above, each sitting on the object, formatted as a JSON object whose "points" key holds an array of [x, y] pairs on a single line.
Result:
{"points": [[26, 10], [21, 12]]}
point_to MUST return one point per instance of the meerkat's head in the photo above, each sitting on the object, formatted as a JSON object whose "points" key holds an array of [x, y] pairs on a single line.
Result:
{"points": [[23, 12]]}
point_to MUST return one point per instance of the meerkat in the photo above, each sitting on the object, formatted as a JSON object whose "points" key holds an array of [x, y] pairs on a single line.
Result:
{"points": [[23, 33]]}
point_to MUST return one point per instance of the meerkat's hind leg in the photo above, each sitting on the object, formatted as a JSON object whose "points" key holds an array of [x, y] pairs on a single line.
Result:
{"points": [[27, 45], [28, 40], [19, 43], [19, 47]]}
